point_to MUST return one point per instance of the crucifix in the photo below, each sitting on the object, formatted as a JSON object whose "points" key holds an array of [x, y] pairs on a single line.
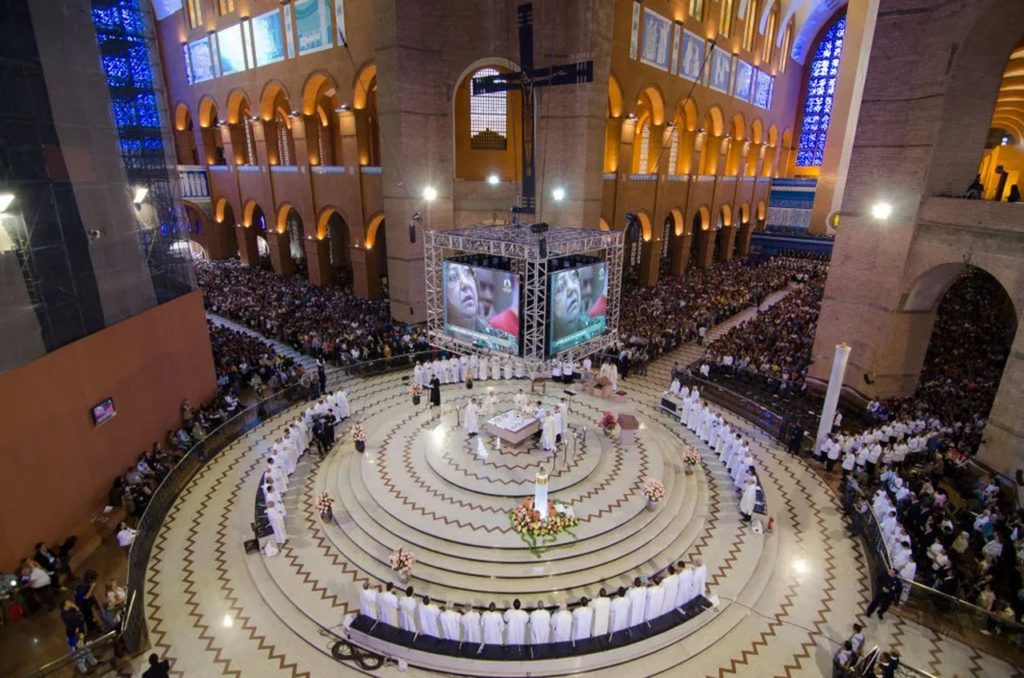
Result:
{"points": [[526, 80]]}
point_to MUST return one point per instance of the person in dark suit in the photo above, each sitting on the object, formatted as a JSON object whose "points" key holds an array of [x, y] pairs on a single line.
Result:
{"points": [[157, 668], [435, 391], [887, 589], [321, 373]]}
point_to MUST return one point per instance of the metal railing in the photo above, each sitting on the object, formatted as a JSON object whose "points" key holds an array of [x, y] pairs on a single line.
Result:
{"points": [[66, 661], [768, 421]]}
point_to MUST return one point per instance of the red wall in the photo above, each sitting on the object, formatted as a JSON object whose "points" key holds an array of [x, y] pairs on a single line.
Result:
{"points": [[57, 467]]}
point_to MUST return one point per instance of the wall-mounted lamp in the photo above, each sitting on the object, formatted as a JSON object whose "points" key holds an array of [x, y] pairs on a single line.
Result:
{"points": [[558, 194], [430, 194], [139, 194], [881, 210], [493, 179], [5, 201]]}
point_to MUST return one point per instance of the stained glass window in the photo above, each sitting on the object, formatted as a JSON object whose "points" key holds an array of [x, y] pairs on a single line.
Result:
{"points": [[821, 87], [643, 162], [488, 117]]}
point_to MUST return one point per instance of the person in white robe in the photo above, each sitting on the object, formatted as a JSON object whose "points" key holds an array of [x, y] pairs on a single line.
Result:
{"points": [[700, 578], [684, 593], [276, 518], [279, 478], [515, 624], [470, 417], [341, 405], [368, 601], [417, 374], [655, 600], [601, 607], [493, 626], [270, 494], [463, 367], [675, 386], [451, 622], [556, 370], [473, 366], [436, 370], [407, 611], [495, 368], [506, 368], [582, 620], [490, 403], [725, 439], [568, 371], [540, 625], [637, 602], [428, 618], [748, 498], [671, 585], [561, 625], [742, 470], [548, 433], [521, 400], [453, 370], [387, 604], [620, 612], [587, 364], [482, 368], [520, 369], [471, 625], [561, 414]]}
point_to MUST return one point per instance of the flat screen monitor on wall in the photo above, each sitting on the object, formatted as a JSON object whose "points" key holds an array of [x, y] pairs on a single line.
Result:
{"points": [[578, 306], [481, 306], [103, 412]]}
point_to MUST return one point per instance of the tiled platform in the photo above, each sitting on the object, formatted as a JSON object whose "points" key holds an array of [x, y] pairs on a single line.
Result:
{"points": [[786, 598]]}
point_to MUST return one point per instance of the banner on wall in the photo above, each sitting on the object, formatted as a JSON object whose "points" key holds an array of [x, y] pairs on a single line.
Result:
{"points": [[720, 70], [268, 38], [656, 40], [201, 59], [762, 89], [692, 56], [339, 21], [231, 49], [313, 25], [743, 80], [634, 30]]}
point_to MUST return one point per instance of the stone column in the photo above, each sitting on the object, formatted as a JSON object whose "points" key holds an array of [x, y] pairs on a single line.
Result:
{"points": [[681, 254], [318, 260], [248, 251], [649, 251], [835, 386], [726, 238], [280, 256]]}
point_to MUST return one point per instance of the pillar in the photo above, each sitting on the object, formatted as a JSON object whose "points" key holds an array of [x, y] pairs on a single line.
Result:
{"points": [[745, 235], [705, 248], [649, 259], [686, 140], [248, 251], [726, 238], [681, 254], [318, 260], [280, 256], [302, 143], [835, 386], [366, 273]]}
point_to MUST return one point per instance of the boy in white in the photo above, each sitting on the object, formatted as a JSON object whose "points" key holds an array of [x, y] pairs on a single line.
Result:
{"points": [[407, 611], [582, 620], [671, 585], [561, 625], [368, 601], [620, 612], [515, 623], [387, 604], [450, 623], [601, 607], [655, 600], [540, 625], [428, 614], [700, 578], [685, 591], [471, 626], [492, 625], [637, 602]]}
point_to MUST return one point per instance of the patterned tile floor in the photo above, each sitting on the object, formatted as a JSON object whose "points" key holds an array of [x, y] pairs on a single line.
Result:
{"points": [[786, 598]]}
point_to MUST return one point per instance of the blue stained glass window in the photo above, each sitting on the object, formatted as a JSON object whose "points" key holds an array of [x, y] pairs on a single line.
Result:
{"points": [[821, 87]]}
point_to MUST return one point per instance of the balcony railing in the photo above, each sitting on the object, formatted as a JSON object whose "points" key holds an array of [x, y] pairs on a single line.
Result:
{"points": [[194, 182], [284, 169], [371, 169]]}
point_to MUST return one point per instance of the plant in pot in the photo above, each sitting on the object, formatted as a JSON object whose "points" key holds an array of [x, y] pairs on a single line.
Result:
{"points": [[417, 393], [654, 490], [324, 505], [359, 436], [691, 457]]}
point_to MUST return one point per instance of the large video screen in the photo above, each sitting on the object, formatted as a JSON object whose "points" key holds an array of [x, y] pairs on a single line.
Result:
{"points": [[578, 306], [481, 306]]}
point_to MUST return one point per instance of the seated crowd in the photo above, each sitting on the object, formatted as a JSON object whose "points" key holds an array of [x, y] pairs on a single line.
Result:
{"points": [[320, 321], [655, 320], [242, 360]]}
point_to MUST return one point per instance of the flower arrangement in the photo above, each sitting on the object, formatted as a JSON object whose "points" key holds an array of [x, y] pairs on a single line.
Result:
{"points": [[358, 433], [539, 535], [324, 503], [609, 423], [691, 457], [416, 390], [401, 560], [653, 489]]}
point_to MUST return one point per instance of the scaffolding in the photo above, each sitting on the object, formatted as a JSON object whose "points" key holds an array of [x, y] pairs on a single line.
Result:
{"points": [[529, 254], [125, 33]]}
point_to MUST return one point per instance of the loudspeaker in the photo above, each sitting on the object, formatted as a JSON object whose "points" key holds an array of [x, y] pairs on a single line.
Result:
{"points": [[539, 227], [412, 232]]}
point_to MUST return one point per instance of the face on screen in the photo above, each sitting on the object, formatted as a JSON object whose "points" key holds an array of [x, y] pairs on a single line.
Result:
{"points": [[485, 288], [568, 303], [588, 287], [463, 299]]}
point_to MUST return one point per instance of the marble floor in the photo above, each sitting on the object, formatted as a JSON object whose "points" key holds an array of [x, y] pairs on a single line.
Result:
{"points": [[785, 598]]}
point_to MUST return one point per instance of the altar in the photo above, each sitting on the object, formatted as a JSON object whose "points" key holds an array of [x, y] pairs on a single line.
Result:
{"points": [[512, 427]]}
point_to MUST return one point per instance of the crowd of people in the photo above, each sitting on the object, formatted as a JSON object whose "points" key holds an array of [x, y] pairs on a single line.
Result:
{"points": [[604, 616], [319, 321], [242, 360], [655, 320], [774, 346]]}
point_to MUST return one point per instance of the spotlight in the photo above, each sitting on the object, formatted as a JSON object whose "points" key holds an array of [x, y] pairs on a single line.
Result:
{"points": [[881, 210], [493, 179], [139, 194], [430, 194], [558, 194], [5, 201]]}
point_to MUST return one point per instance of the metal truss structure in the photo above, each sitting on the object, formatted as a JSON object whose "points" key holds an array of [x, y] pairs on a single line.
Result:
{"points": [[529, 254]]}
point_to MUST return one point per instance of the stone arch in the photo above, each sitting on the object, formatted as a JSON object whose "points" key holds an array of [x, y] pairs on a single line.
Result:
{"points": [[184, 136], [738, 127], [650, 98], [725, 215], [714, 121], [222, 211], [332, 226], [320, 101], [318, 84], [743, 214], [250, 213], [271, 98], [757, 131], [646, 230], [485, 152], [289, 222], [773, 135], [238, 106], [208, 112], [362, 85], [931, 286], [678, 221], [687, 115], [761, 215], [182, 117], [372, 226], [614, 97]]}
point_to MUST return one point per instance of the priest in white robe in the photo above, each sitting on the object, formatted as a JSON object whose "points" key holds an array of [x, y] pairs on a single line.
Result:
{"points": [[561, 625], [407, 611], [428, 617], [582, 620], [387, 604], [453, 370], [270, 494], [655, 600], [463, 367], [520, 368], [368, 601], [521, 401], [620, 612], [417, 374], [472, 367], [700, 578], [561, 414], [637, 602], [493, 626], [515, 624], [471, 626], [671, 585], [548, 433], [602, 608], [341, 408], [540, 625], [451, 622], [482, 368], [685, 592], [495, 368], [275, 474], [490, 403], [471, 418], [276, 518], [748, 498], [507, 368]]}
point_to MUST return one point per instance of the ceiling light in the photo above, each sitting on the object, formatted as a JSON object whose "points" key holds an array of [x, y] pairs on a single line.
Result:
{"points": [[430, 194], [5, 201], [139, 194], [558, 194]]}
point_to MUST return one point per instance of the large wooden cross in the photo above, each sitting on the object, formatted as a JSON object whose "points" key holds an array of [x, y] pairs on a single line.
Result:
{"points": [[526, 80]]}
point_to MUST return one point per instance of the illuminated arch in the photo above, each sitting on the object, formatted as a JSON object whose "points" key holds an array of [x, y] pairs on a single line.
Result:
{"points": [[362, 84], [281, 221], [726, 212], [703, 215], [207, 112], [371, 230], [744, 214], [686, 115], [603, 225], [182, 116], [645, 225], [757, 131], [738, 127], [650, 98], [318, 84], [219, 210], [248, 211], [773, 136], [714, 121], [274, 93], [238, 105], [325, 216], [614, 97], [678, 222]]}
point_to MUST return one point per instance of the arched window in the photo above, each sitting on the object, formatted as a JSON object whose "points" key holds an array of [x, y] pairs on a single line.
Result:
{"points": [[725, 17], [769, 35], [787, 38], [645, 148], [488, 117], [195, 12], [749, 24], [697, 9], [821, 87]]}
